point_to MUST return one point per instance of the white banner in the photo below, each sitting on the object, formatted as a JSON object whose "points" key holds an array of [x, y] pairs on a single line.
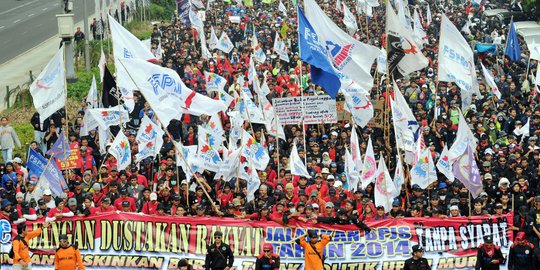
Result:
{"points": [[317, 110]]}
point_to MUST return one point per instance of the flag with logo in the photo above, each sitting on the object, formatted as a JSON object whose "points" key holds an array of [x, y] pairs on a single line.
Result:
{"points": [[464, 138], [490, 81], [369, 167], [348, 55], [224, 43], [35, 163], [360, 107], [106, 117], [284, 29], [423, 172], [353, 175], [185, 157], [150, 139], [53, 179], [60, 149], [512, 44], [399, 174], [420, 35], [255, 151], [296, 165], [282, 8], [456, 62], [168, 96], [47, 90], [196, 22], [121, 150], [315, 54], [466, 170], [404, 55], [444, 165], [214, 82], [92, 97], [258, 52], [384, 190], [230, 164], [213, 41], [206, 136], [250, 111], [253, 181], [280, 48], [208, 158]]}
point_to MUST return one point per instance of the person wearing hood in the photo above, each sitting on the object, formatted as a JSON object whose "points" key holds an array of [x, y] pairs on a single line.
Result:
{"points": [[268, 260], [521, 255]]}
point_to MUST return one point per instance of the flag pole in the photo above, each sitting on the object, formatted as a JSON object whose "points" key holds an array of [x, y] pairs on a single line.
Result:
{"points": [[299, 63], [174, 142], [508, 36], [277, 141], [65, 109]]}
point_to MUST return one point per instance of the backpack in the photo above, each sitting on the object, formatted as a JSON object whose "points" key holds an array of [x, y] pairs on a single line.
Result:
{"points": [[17, 238]]}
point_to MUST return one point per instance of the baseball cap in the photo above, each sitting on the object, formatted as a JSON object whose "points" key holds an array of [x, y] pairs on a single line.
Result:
{"points": [[153, 196], [47, 192], [329, 204], [125, 204], [417, 248], [330, 177], [19, 195], [314, 193], [72, 201], [338, 183], [325, 170], [454, 207], [488, 239]]}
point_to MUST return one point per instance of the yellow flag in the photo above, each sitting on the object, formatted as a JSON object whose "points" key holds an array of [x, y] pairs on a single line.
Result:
{"points": [[284, 28]]}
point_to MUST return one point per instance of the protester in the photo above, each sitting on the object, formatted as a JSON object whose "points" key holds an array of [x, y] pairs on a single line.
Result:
{"points": [[521, 254], [8, 139]]}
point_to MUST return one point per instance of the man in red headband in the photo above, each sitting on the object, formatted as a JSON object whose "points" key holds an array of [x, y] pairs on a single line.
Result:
{"points": [[521, 254], [268, 260]]}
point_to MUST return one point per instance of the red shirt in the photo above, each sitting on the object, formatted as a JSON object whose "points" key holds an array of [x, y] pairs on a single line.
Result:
{"points": [[100, 210], [55, 211], [132, 204]]}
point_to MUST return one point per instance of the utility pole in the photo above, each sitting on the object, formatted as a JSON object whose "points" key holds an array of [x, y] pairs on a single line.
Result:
{"points": [[86, 37]]}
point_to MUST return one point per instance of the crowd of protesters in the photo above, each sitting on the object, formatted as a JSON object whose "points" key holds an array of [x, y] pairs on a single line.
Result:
{"points": [[509, 163]]}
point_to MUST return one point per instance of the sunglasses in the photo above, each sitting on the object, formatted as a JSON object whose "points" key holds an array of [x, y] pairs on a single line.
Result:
{"points": [[217, 237], [266, 251]]}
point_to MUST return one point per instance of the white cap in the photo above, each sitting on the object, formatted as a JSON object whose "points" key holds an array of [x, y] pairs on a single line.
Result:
{"points": [[153, 196], [454, 207], [325, 170], [330, 176], [17, 160], [338, 184], [19, 195], [47, 192]]}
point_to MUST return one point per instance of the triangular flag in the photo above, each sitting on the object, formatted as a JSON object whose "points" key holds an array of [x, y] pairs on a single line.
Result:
{"points": [[224, 43], [369, 167], [353, 175], [466, 170], [60, 149], [149, 138], [296, 165], [444, 165], [384, 190], [92, 98], [423, 172], [213, 41], [280, 48]]}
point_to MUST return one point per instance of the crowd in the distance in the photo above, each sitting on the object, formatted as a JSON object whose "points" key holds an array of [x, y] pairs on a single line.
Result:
{"points": [[509, 163]]}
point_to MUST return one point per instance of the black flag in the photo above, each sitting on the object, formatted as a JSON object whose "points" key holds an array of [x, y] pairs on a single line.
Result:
{"points": [[109, 86]]}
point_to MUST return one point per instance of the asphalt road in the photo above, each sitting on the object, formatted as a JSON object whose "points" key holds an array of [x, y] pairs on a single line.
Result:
{"points": [[25, 24]]}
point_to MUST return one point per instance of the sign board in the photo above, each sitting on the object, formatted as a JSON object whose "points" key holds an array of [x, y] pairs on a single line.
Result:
{"points": [[317, 110], [234, 19]]}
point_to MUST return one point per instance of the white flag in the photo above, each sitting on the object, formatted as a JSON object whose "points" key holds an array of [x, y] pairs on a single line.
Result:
{"points": [[381, 62], [149, 138], [229, 166], [253, 182], [282, 8], [208, 158], [490, 81], [196, 22], [224, 43], [280, 49], [349, 20], [385, 190], [205, 53], [212, 43], [360, 107], [355, 153], [101, 65], [353, 175], [428, 15], [168, 96], [370, 166], [214, 82], [348, 55], [121, 150], [444, 165], [423, 172], [125, 44], [106, 117], [48, 90], [198, 3], [524, 130], [258, 52], [464, 137], [296, 165], [399, 174], [456, 62], [420, 35], [413, 58], [92, 98], [185, 155], [250, 111]]}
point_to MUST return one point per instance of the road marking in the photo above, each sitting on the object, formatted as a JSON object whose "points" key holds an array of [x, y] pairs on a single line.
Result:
{"points": [[45, 9], [2, 27], [30, 15], [16, 21], [17, 7]]}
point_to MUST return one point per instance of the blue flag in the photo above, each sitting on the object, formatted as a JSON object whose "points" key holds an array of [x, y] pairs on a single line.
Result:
{"points": [[315, 54], [512, 46], [54, 177], [489, 48], [60, 148], [36, 163]]}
